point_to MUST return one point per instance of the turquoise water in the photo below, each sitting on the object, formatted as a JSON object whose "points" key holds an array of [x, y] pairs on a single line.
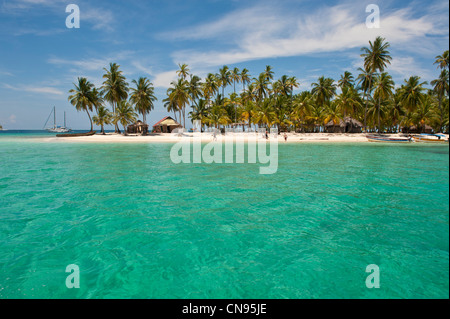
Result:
{"points": [[139, 226]]}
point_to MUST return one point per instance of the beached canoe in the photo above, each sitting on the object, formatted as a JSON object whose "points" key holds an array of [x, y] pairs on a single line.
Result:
{"points": [[77, 134], [388, 139], [436, 139]]}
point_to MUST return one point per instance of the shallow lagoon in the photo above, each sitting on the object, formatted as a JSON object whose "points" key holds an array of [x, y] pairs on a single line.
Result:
{"points": [[139, 226]]}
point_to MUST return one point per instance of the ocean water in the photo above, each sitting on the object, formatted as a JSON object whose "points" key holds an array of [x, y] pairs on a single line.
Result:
{"points": [[139, 226]]}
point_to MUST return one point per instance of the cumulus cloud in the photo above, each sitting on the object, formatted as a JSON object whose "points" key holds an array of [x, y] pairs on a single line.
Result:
{"points": [[270, 32]]}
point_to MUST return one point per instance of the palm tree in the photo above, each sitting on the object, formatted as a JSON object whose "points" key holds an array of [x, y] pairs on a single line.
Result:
{"points": [[441, 87], [347, 80], [183, 72], [376, 58], [143, 96], [199, 111], [324, 90], [235, 77], [332, 113], [82, 97], [424, 114], [210, 87], [115, 87], [195, 88], [265, 113], [302, 104], [171, 105], [261, 86], [383, 91], [269, 73], [443, 61], [103, 117], [316, 116], [224, 78], [411, 93], [124, 115], [245, 77], [248, 112], [217, 116], [364, 81], [348, 100], [179, 95], [234, 101]]}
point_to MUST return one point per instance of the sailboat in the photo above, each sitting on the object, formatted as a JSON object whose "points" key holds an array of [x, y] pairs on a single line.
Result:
{"points": [[55, 128]]}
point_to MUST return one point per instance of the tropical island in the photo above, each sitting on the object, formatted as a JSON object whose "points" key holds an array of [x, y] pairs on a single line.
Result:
{"points": [[369, 102]]}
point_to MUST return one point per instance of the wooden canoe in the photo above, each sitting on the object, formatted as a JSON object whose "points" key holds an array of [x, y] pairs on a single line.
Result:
{"points": [[77, 134], [430, 139], [387, 139]]}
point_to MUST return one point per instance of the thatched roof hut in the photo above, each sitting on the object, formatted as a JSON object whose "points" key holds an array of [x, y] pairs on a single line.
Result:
{"points": [[414, 129], [138, 128], [166, 125], [346, 125]]}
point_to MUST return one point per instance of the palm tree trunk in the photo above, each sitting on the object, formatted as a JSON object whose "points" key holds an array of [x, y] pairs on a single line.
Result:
{"points": [[379, 111], [116, 126], [92, 125], [367, 104], [441, 123]]}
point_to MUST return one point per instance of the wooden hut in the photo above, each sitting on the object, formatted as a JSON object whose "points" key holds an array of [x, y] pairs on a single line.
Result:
{"points": [[138, 128], [415, 130], [166, 125], [346, 125]]}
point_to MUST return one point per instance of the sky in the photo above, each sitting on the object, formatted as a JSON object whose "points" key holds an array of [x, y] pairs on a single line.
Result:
{"points": [[40, 58]]}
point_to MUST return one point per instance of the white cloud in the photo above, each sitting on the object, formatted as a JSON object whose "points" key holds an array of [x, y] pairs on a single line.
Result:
{"points": [[91, 64], [35, 89], [98, 18], [163, 80], [268, 32], [404, 67]]}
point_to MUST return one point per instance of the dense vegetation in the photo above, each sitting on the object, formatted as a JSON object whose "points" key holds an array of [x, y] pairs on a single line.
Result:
{"points": [[370, 97]]}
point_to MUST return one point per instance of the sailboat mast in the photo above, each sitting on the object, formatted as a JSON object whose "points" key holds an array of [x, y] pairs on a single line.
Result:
{"points": [[65, 119], [54, 116]]}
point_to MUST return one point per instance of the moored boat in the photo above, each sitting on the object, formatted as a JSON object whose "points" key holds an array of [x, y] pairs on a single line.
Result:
{"points": [[388, 139], [55, 128], [431, 138], [77, 134]]}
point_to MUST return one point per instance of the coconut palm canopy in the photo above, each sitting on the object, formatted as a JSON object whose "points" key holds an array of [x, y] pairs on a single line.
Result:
{"points": [[370, 99]]}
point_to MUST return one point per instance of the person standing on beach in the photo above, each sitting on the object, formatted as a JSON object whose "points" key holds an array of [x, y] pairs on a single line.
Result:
{"points": [[285, 137]]}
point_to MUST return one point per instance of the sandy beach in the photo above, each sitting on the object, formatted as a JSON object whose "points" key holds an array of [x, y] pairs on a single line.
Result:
{"points": [[208, 137]]}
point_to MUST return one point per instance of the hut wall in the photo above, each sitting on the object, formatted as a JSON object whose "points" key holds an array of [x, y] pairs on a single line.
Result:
{"points": [[335, 129]]}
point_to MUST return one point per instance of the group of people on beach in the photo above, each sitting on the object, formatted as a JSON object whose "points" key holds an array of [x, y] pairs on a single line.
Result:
{"points": [[285, 136]]}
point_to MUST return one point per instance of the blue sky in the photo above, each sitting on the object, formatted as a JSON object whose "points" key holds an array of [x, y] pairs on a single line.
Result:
{"points": [[40, 58]]}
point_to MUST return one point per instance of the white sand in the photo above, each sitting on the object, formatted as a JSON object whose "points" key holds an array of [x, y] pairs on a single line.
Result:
{"points": [[207, 137]]}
